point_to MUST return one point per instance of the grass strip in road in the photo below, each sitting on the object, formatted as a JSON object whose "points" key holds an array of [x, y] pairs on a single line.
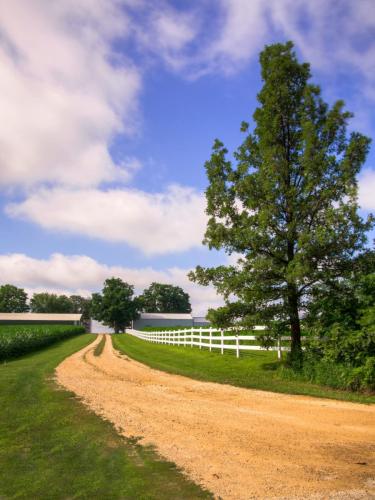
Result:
{"points": [[99, 347], [257, 370], [53, 447]]}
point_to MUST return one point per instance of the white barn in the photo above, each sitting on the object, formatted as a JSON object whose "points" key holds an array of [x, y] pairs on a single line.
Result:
{"points": [[29, 318], [164, 320]]}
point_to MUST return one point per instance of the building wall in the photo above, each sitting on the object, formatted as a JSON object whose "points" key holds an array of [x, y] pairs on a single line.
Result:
{"points": [[141, 323], [38, 322], [201, 322], [97, 327]]}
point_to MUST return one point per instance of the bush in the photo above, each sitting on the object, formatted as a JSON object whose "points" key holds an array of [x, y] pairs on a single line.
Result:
{"points": [[340, 351], [17, 340]]}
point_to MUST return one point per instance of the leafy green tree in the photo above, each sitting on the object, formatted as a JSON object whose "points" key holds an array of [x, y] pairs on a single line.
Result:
{"points": [[289, 205], [115, 306], [162, 298], [13, 299], [345, 300], [81, 305], [51, 303]]}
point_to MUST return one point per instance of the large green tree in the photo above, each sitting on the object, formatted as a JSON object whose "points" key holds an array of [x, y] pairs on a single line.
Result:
{"points": [[116, 306], [51, 303], [13, 299], [159, 297], [288, 203]]}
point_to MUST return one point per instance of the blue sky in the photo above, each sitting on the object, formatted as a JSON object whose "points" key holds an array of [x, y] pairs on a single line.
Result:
{"points": [[110, 110]]}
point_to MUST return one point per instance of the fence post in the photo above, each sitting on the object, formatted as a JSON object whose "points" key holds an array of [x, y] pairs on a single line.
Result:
{"points": [[191, 338], [237, 347], [222, 340], [200, 338], [278, 348], [210, 339]]}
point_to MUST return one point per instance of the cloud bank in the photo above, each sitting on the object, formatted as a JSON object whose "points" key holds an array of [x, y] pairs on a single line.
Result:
{"points": [[155, 223], [71, 86], [65, 99]]}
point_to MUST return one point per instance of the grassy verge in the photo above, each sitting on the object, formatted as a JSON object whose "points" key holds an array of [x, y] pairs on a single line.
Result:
{"points": [[52, 447], [99, 347], [258, 370]]}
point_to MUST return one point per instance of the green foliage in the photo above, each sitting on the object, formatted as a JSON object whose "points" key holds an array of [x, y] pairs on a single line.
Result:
{"points": [[341, 323], [289, 206], [338, 376], [162, 298], [115, 306], [13, 299], [51, 303], [81, 305], [16, 340]]}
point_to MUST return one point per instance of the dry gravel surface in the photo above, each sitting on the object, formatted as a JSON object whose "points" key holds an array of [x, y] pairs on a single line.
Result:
{"points": [[238, 443]]}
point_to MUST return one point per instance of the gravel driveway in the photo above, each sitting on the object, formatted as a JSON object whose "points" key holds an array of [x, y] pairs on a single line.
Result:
{"points": [[238, 443]]}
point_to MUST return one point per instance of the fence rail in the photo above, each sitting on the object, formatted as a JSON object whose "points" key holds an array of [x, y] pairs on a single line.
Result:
{"points": [[210, 338]]}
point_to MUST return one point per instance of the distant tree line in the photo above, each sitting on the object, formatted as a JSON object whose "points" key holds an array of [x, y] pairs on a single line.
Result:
{"points": [[116, 306]]}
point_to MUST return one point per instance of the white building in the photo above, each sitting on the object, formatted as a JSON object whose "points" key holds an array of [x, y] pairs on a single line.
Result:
{"points": [[168, 320], [155, 320], [39, 319]]}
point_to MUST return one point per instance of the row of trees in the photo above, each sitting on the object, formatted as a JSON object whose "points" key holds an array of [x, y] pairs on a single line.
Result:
{"points": [[14, 299], [288, 207], [115, 306]]}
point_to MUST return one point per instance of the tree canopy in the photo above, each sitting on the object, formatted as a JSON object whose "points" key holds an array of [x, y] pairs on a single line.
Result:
{"points": [[81, 305], [116, 306], [287, 204], [164, 298], [51, 303], [13, 299]]}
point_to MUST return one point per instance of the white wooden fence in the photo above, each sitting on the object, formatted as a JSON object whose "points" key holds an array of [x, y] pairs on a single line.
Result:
{"points": [[205, 337]]}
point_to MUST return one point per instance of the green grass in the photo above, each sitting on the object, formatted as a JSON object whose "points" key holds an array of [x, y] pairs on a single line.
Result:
{"points": [[256, 370], [52, 447], [99, 347]]}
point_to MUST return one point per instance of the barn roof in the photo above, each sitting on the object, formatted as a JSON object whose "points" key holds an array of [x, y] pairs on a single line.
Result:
{"points": [[39, 317], [165, 316]]}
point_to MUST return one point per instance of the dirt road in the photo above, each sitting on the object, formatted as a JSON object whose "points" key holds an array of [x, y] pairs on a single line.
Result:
{"points": [[238, 443]]}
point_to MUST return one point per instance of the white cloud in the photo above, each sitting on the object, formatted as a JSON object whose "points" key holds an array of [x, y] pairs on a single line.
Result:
{"points": [[241, 34], [84, 275], [328, 33], [62, 98], [154, 223], [67, 92], [367, 190], [167, 33]]}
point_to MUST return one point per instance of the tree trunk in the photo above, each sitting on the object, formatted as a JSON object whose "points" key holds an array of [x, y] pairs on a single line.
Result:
{"points": [[295, 325]]}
